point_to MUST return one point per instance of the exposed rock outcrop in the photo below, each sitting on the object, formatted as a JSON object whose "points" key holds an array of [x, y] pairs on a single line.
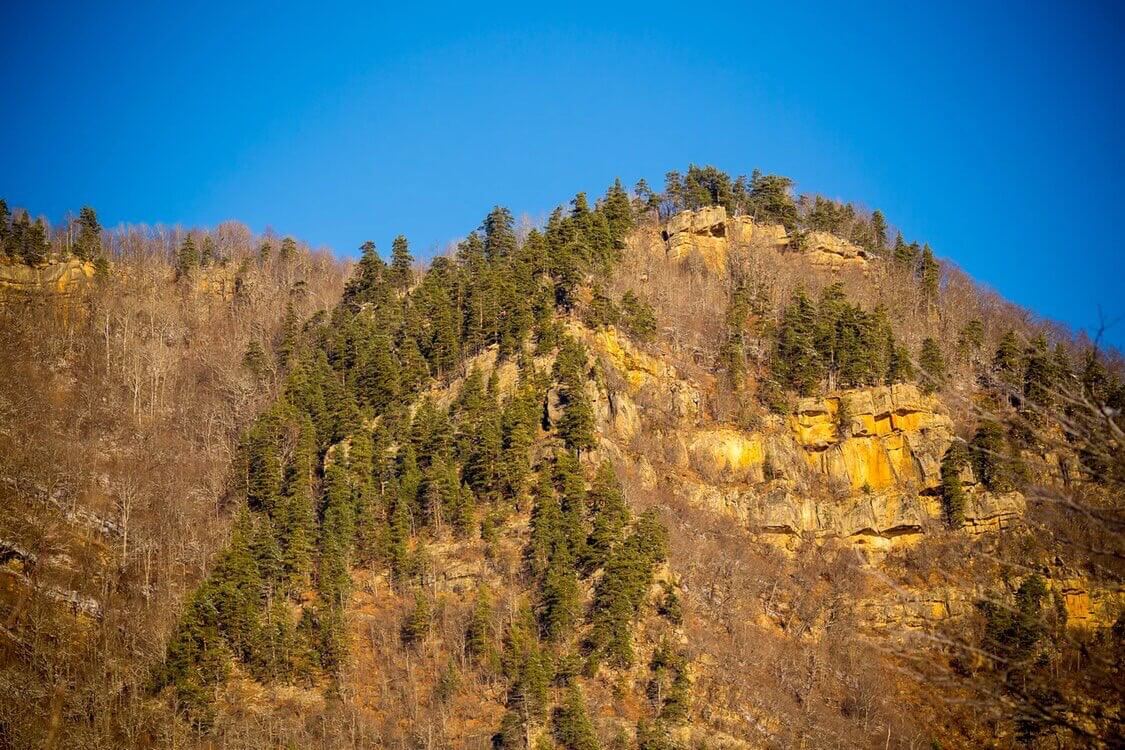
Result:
{"points": [[872, 479], [826, 250], [709, 232], [60, 278]]}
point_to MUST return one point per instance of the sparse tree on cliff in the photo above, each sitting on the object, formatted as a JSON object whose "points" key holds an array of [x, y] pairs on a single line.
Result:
{"points": [[187, 259], [932, 364], [88, 243]]}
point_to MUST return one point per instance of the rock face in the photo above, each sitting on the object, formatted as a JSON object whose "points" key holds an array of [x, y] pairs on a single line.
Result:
{"points": [[61, 278], [894, 436], [873, 481], [708, 233], [826, 250], [220, 282]]}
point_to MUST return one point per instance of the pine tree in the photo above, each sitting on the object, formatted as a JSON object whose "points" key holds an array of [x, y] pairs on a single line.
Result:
{"points": [[618, 212], [32, 238], [573, 728], [207, 252], [88, 243], [933, 366], [996, 462], [610, 515], [878, 231], [547, 531], [929, 276], [401, 274], [367, 275], [478, 635], [970, 341], [952, 494], [770, 200], [288, 250], [1040, 375], [559, 596], [5, 230], [187, 259], [1008, 368], [416, 626], [499, 236], [797, 364], [637, 316], [576, 427], [653, 735], [670, 687]]}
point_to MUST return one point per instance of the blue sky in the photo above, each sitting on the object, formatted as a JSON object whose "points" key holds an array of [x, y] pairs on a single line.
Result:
{"points": [[991, 130]]}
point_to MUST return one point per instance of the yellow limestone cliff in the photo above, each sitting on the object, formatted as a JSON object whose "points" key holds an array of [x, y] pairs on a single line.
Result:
{"points": [[709, 233], [59, 277], [873, 481]]}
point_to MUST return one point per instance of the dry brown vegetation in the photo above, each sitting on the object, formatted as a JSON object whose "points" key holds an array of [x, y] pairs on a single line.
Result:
{"points": [[119, 411]]}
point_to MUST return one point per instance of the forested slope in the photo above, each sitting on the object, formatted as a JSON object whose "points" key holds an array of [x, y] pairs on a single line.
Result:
{"points": [[709, 467]]}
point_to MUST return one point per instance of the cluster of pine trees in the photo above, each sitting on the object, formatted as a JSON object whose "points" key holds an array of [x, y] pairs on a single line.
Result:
{"points": [[1026, 388], [577, 532], [29, 242], [353, 464]]}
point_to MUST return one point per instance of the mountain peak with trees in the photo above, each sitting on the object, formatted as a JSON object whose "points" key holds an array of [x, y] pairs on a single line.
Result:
{"points": [[720, 465]]}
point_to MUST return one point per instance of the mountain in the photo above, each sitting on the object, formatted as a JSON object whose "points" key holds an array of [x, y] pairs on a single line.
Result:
{"points": [[711, 467]]}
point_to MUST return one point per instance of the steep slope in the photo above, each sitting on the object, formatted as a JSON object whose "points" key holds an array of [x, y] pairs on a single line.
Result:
{"points": [[715, 467]]}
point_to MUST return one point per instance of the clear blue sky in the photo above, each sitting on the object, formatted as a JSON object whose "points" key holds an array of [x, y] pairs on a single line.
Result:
{"points": [[992, 130]]}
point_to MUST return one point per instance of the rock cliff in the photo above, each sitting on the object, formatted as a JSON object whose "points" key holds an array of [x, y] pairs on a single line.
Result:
{"points": [[59, 278], [872, 479], [708, 234]]}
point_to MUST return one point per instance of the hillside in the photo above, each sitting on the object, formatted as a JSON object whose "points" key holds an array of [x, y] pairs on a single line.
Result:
{"points": [[717, 467]]}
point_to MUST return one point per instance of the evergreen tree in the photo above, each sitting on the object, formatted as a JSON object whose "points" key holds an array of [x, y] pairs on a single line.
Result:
{"points": [[637, 316], [610, 515], [1040, 374], [797, 364], [416, 627], [401, 275], [618, 213], [929, 276], [952, 494], [478, 635], [499, 235], [559, 596], [670, 686], [367, 275], [576, 427], [995, 460], [623, 588], [5, 229], [187, 259], [878, 231], [933, 366], [207, 252], [31, 239], [288, 250], [970, 340], [770, 200], [1008, 368], [573, 728], [899, 367], [547, 531], [88, 243], [654, 735]]}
